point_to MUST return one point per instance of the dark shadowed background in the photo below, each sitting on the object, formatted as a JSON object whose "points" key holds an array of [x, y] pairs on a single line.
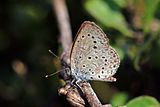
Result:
{"points": [[28, 29]]}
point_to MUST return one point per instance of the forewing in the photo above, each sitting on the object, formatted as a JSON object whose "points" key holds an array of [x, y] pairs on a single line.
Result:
{"points": [[91, 56]]}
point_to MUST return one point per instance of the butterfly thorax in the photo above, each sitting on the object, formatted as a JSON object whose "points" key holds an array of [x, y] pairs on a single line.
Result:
{"points": [[79, 75]]}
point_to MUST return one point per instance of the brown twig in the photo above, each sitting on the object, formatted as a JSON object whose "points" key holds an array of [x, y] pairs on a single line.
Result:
{"points": [[71, 93], [63, 22]]}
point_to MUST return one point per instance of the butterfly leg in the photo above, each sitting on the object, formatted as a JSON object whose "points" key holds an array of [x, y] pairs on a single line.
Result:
{"points": [[111, 79], [76, 83], [79, 87], [72, 82]]}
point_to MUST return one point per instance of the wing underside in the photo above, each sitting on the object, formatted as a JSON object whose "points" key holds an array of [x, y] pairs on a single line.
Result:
{"points": [[91, 57]]}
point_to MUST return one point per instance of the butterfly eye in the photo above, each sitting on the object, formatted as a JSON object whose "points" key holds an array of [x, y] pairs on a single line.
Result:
{"points": [[91, 77], [95, 47], [115, 60], [89, 69], [102, 67], [96, 57], [92, 72], [99, 76], [89, 57], [82, 36], [114, 55], [102, 72], [80, 57], [88, 34], [103, 57], [94, 42], [105, 60], [84, 66], [111, 52], [93, 37]]}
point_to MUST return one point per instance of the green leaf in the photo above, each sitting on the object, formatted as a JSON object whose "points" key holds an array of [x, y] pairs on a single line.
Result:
{"points": [[121, 3], [29, 12], [143, 101], [151, 7], [119, 99], [109, 17], [141, 50]]}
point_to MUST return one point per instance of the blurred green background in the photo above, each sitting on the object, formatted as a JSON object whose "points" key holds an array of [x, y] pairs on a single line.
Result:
{"points": [[28, 28]]}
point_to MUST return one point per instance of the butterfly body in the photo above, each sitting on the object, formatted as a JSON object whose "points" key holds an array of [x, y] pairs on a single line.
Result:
{"points": [[92, 58]]}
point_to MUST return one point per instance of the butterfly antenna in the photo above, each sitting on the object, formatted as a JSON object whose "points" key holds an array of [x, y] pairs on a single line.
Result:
{"points": [[53, 54], [52, 74]]}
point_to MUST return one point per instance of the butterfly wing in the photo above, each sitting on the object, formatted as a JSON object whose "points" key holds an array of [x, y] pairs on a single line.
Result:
{"points": [[91, 56]]}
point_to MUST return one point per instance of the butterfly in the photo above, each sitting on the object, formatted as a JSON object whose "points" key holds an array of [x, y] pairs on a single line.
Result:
{"points": [[91, 56]]}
